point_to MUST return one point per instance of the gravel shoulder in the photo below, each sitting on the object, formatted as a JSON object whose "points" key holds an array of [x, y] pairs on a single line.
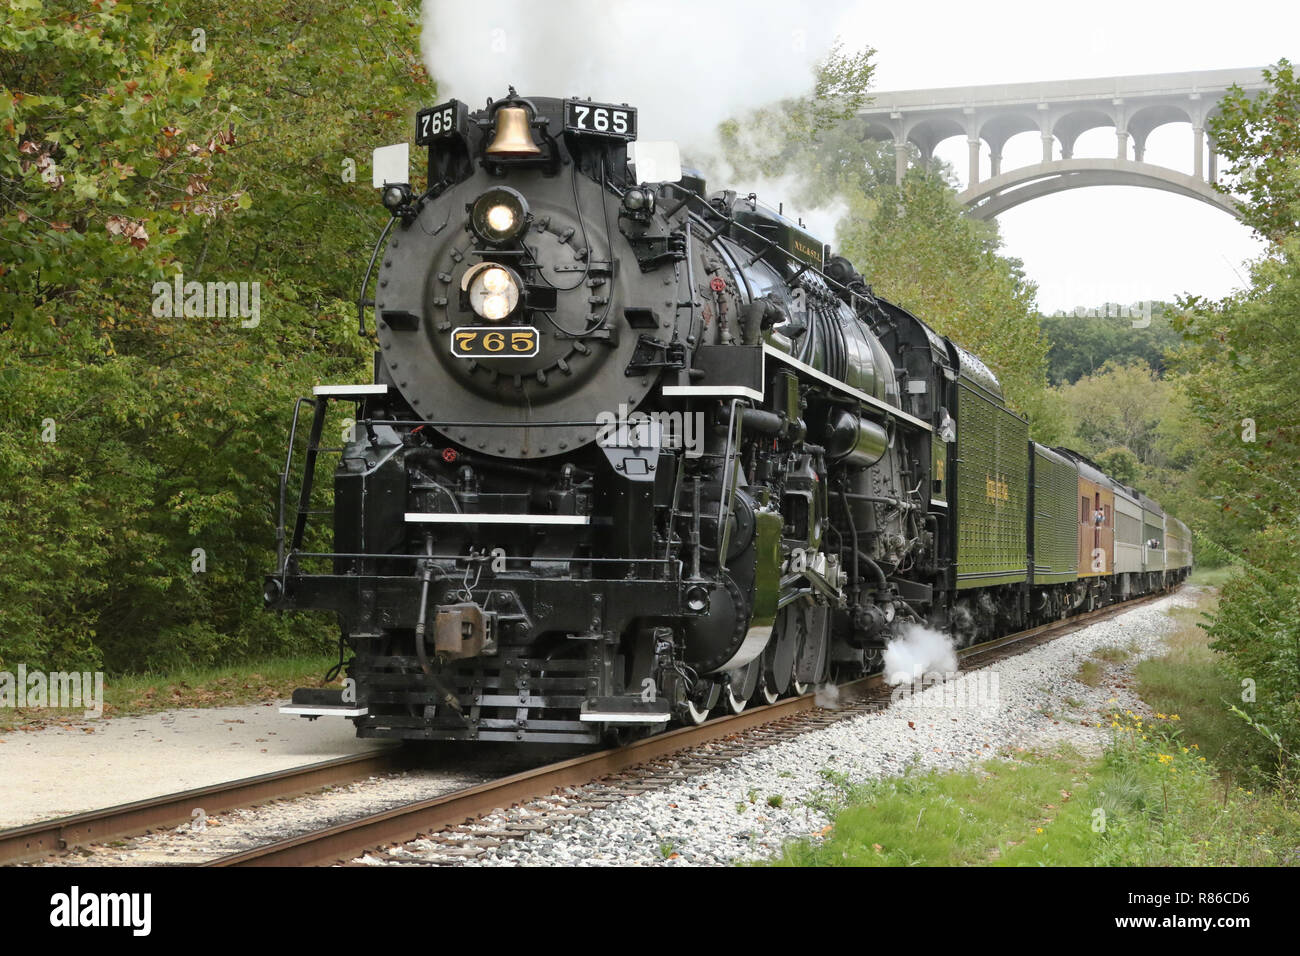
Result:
{"points": [[92, 764], [751, 807], [745, 810]]}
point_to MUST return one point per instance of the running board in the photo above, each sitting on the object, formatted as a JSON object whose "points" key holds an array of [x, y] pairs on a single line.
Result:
{"points": [[324, 710], [322, 702], [452, 517], [624, 710], [349, 391]]}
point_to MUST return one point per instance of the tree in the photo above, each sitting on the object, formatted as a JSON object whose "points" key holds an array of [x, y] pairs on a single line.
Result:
{"points": [[1122, 406], [136, 533], [769, 141], [1260, 138], [918, 248], [1086, 339], [1121, 464], [109, 164], [1241, 381]]}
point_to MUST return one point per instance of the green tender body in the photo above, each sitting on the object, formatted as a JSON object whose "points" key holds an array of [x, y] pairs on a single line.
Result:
{"points": [[1056, 526], [992, 490]]}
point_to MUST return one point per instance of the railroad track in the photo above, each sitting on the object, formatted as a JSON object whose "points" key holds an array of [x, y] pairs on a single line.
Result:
{"points": [[130, 819], [598, 779]]}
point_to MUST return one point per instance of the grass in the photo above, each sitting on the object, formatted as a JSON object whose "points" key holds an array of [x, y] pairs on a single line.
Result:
{"points": [[246, 683], [1090, 673], [1111, 654], [948, 819], [1211, 577], [1146, 803], [1187, 681], [1173, 789]]}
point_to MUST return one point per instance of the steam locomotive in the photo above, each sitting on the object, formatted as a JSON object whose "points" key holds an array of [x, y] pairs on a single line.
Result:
{"points": [[635, 452]]}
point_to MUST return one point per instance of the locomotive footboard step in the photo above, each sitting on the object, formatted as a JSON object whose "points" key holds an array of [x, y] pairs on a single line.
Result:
{"points": [[313, 702], [637, 451]]}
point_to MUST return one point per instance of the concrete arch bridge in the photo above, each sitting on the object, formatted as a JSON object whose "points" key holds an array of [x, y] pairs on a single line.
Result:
{"points": [[1060, 111]]}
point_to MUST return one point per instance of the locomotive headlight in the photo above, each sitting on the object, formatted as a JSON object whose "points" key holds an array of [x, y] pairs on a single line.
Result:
{"points": [[500, 215], [493, 290]]}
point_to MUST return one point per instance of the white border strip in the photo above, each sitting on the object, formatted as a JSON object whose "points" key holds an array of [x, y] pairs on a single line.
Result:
{"points": [[591, 717], [306, 710], [428, 517], [715, 391], [836, 383], [340, 390]]}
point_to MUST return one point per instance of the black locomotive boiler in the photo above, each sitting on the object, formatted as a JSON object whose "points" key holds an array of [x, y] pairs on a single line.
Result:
{"points": [[634, 451]]}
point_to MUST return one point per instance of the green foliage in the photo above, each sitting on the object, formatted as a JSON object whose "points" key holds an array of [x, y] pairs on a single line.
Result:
{"points": [[113, 143], [1242, 380], [1139, 428], [1081, 344], [1258, 628], [917, 247], [219, 157], [1260, 138], [1121, 464], [1150, 800], [1127, 408]]}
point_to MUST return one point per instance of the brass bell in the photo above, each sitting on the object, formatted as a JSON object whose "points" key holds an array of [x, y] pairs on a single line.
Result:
{"points": [[513, 137]]}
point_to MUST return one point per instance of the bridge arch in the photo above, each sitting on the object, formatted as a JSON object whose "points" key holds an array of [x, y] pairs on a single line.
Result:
{"points": [[1062, 111], [994, 196]]}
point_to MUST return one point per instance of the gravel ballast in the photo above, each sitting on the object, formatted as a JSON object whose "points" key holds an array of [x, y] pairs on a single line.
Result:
{"points": [[752, 806]]}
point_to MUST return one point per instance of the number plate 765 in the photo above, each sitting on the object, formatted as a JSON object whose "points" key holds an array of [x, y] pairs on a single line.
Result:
{"points": [[510, 342]]}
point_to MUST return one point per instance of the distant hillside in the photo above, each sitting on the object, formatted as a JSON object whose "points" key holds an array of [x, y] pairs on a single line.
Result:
{"points": [[1085, 339]]}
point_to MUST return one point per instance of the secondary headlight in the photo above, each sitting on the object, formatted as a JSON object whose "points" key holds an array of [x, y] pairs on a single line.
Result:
{"points": [[499, 215], [493, 290]]}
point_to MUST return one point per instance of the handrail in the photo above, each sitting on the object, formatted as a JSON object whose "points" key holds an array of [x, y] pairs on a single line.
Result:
{"points": [[284, 481]]}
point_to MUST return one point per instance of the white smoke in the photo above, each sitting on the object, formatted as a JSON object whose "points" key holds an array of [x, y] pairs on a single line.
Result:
{"points": [[686, 65], [918, 651], [827, 697]]}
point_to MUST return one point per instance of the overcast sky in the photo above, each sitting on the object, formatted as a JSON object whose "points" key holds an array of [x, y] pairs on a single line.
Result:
{"points": [[1082, 247], [1106, 243]]}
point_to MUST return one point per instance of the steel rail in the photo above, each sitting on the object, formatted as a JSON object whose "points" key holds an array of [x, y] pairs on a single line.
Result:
{"points": [[345, 841], [129, 819]]}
